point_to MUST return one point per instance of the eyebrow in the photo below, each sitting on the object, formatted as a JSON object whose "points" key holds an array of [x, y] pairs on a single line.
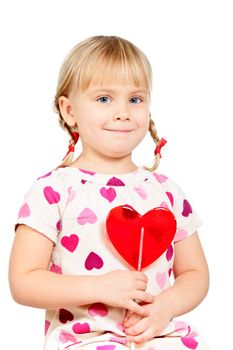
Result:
{"points": [[103, 90]]}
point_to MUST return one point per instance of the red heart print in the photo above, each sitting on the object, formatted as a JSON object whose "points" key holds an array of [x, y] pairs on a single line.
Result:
{"points": [[65, 316], [124, 226]]}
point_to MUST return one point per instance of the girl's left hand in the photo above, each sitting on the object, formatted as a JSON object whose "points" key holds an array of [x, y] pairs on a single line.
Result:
{"points": [[140, 329]]}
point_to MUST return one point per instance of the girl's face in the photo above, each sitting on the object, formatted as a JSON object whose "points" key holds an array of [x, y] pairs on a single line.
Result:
{"points": [[112, 120]]}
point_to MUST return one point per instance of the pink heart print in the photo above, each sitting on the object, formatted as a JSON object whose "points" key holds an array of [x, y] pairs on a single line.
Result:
{"points": [[46, 326], [98, 309], [55, 268], [106, 347], [86, 216], [72, 194], [161, 279], [93, 261], [189, 342], [66, 337], [108, 193], [141, 192], [24, 211], [160, 178], [80, 328], [51, 196], [70, 242]]}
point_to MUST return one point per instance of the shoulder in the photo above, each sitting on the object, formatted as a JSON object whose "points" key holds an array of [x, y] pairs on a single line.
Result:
{"points": [[162, 180], [53, 185]]}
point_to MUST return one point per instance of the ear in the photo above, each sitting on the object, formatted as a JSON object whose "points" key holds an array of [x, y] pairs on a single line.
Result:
{"points": [[66, 109]]}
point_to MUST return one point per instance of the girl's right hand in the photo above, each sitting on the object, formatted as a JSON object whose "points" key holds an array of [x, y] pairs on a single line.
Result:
{"points": [[121, 288]]}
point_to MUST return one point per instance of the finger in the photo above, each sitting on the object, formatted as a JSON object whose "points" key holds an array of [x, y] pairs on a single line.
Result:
{"points": [[138, 328], [136, 308], [132, 320], [148, 334], [127, 315], [143, 296], [141, 285], [141, 276]]}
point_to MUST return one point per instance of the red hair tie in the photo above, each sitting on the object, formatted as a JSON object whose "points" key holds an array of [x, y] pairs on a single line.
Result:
{"points": [[161, 143], [75, 137]]}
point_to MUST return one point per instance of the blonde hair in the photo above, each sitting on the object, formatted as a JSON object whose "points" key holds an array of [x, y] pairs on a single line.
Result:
{"points": [[102, 59]]}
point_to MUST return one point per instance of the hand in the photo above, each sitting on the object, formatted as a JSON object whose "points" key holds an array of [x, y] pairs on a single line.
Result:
{"points": [[121, 288], [142, 328]]}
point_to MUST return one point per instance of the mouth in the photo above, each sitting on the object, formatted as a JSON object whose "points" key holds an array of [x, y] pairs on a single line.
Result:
{"points": [[119, 131]]}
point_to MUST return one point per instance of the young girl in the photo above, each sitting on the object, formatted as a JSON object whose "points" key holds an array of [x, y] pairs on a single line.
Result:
{"points": [[64, 258]]}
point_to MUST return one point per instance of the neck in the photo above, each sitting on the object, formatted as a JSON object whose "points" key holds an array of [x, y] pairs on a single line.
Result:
{"points": [[104, 164]]}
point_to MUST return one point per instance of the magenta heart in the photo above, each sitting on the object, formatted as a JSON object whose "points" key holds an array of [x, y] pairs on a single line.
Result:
{"points": [[70, 242], [170, 196], [24, 211], [80, 328], [108, 193], [93, 261], [98, 309], [189, 342], [65, 316], [187, 209], [86, 216], [51, 196], [114, 181], [169, 253]]}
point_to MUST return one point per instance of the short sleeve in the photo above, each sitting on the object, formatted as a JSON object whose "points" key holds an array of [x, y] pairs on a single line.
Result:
{"points": [[187, 219], [43, 206]]}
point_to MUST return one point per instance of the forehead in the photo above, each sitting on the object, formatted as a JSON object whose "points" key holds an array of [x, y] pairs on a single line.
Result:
{"points": [[117, 89], [106, 74]]}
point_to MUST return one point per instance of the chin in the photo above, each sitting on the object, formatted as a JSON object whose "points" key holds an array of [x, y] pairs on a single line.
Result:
{"points": [[117, 154]]}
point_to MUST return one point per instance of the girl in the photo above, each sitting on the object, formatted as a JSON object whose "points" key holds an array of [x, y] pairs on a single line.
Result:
{"points": [[63, 257]]}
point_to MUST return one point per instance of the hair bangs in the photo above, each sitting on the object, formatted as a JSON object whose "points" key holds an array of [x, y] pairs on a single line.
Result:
{"points": [[114, 65]]}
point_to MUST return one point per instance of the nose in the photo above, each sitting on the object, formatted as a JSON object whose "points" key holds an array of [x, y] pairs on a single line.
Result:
{"points": [[122, 113], [121, 116]]}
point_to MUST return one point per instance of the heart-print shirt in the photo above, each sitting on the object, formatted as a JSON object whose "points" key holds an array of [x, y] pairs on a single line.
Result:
{"points": [[70, 207]]}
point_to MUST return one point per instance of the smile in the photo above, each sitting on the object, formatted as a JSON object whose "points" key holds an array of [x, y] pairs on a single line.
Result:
{"points": [[119, 131]]}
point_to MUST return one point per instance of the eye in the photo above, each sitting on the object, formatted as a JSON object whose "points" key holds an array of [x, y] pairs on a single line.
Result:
{"points": [[136, 100], [104, 99]]}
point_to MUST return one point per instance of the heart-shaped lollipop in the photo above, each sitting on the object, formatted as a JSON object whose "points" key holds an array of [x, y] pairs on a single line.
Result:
{"points": [[138, 237]]}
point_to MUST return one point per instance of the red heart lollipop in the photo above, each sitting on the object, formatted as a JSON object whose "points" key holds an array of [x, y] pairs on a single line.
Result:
{"points": [[124, 225]]}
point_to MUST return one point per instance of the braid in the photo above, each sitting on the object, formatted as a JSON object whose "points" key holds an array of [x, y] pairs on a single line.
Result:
{"points": [[67, 160], [156, 139]]}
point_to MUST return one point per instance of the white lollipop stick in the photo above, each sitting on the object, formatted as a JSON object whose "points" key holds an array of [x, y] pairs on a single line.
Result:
{"points": [[140, 249], [132, 345]]}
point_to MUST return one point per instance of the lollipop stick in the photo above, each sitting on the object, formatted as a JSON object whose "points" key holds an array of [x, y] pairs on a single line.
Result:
{"points": [[132, 345], [140, 250]]}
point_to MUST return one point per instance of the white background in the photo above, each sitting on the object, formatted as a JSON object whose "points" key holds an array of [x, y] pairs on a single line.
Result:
{"points": [[189, 44]]}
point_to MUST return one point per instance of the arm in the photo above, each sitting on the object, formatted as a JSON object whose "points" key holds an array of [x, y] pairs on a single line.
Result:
{"points": [[33, 285], [189, 288], [191, 277]]}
